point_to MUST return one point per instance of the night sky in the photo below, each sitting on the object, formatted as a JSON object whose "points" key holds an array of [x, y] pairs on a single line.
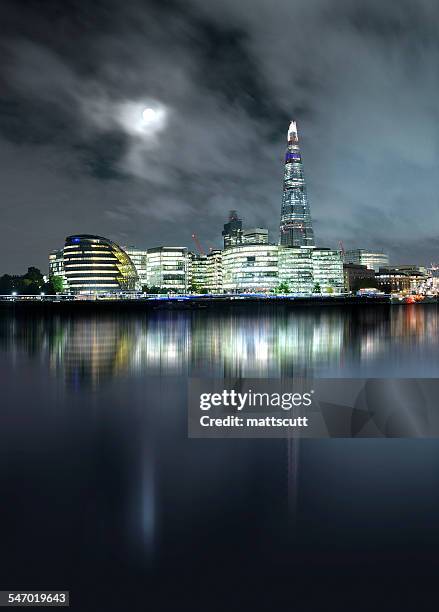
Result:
{"points": [[224, 77]]}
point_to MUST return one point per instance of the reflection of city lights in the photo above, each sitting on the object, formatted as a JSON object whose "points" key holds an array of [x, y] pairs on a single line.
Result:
{"points": [[91, 351]]}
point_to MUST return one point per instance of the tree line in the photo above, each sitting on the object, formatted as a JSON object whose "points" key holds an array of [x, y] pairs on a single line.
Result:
{"points": [[30, 283]]}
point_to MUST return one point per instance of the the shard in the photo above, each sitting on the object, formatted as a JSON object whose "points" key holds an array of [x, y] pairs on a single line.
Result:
{"points": [[295, 220]]}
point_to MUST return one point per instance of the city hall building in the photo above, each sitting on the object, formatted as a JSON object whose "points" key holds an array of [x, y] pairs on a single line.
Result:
{"points": [[93, 264]]}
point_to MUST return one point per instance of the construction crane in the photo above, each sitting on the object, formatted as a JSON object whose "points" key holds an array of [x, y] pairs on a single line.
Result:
{"points": [[198, 245]]}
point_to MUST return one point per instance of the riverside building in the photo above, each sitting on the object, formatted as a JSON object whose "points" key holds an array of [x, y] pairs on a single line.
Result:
{"points": [[296, 269], [215, 271], [250, 268], [139, 259], [391, 280], [56, 265], [327, 271], [197, 273], [94, 264], [205, 272], [357, 277], [311, 270], [167, 269]]}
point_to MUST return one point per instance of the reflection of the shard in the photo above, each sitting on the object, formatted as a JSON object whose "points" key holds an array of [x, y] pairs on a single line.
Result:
{"points": [[273, 345]]}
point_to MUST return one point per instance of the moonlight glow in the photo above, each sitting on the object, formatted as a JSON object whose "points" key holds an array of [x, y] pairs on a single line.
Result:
{"points": [[149, 115], [140, 120]]}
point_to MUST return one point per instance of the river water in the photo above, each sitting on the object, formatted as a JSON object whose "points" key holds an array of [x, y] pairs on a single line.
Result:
{"points": [[103, 494]]}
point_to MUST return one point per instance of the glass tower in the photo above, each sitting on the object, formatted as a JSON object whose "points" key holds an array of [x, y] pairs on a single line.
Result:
{"points": [[232, 232], [295, 219]]}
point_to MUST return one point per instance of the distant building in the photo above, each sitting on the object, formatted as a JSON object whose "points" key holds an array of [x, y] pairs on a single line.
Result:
{"points": [[167, 268], [411, 269], [357, 277], [417, 275], [139, 259], [295, 221], [374, 260], [94, 264], [56, 266], [232, 232], [390, 280], [433, 279], [255, 235], [250, 268]]}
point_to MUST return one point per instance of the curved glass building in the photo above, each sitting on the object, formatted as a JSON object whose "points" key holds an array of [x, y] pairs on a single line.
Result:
{"points": [[93, 264]]}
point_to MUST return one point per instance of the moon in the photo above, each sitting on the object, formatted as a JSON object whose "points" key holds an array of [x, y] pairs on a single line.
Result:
{"points": [[149, 115], [144, 119]]}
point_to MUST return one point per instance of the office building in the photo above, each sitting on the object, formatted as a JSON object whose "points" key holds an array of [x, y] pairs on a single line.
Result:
{"points": [[232, 232], [296, 269], [432, 282], [390, 280], [395, 278], [139, 259], [327, 271], [295, 222], [197, 273], [215, 271], [167, 269], [358, 277], [205, 272], [94, 264], [374, 260], [56, 266], [250, 268], [255, 235], [412, 269]]}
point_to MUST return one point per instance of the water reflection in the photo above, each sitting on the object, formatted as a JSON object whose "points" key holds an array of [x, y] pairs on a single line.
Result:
{"points": [[93, 426], [87, 351]]}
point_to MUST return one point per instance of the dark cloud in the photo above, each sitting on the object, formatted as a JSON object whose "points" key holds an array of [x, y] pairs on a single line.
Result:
{"points": [[360, 78]]}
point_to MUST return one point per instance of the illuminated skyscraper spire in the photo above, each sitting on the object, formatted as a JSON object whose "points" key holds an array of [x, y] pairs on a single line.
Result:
{"points": [[295, 218]]}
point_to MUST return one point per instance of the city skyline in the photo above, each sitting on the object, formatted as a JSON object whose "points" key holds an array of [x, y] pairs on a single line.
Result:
{"points": [[79, 153]]}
